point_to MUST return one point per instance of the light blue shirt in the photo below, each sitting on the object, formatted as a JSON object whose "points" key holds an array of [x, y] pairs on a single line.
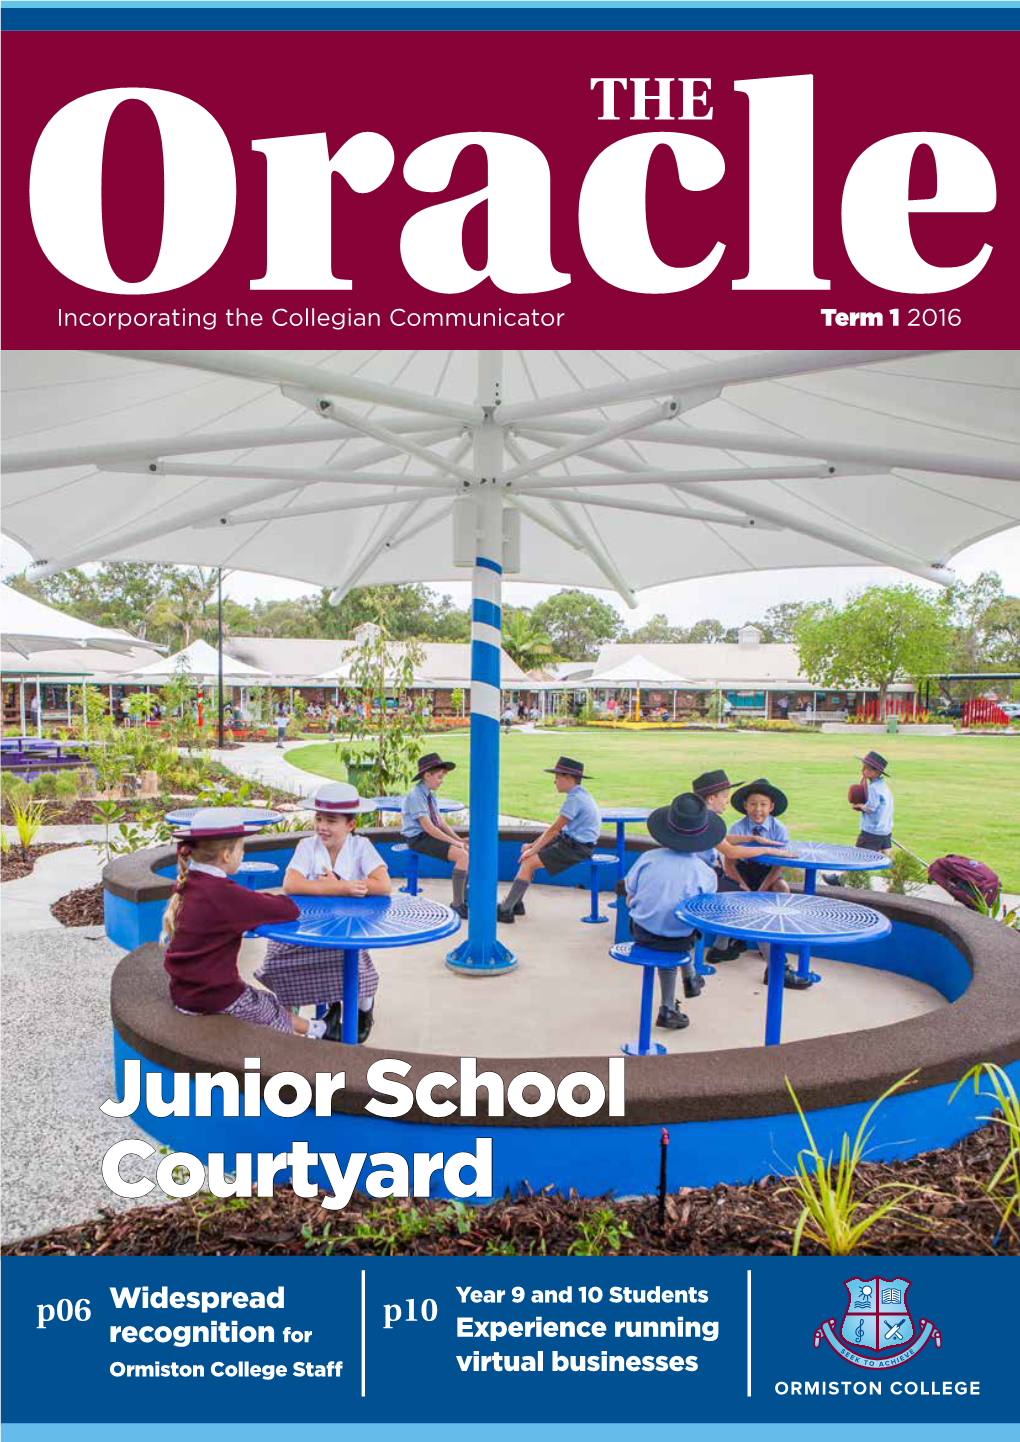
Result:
{"points": [[582, 815], [710, 857], [416, 805], [658, 882], [877, 816], [771, 829]]}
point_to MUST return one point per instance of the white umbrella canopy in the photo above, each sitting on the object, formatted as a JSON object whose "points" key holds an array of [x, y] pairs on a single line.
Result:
{"points": [[340, 467], [200, 663], [28, 626], [636, 671]]}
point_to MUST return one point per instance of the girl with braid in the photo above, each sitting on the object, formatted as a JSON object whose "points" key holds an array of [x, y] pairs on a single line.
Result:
{"points": [[206, 920]]}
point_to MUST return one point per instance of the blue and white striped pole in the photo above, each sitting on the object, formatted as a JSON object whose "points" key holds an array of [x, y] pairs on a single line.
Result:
{"points": [[481, 954]]}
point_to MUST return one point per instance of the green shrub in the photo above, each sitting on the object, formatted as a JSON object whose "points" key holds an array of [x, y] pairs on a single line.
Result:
{"points": [[44, 787], [13, 788], [67, 786], [904, 874]]}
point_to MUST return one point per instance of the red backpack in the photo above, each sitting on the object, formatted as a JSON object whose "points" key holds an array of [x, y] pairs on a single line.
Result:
{"points": [[962, 877]]}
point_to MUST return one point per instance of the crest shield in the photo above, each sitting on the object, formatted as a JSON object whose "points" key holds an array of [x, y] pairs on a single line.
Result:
{"points": [[877, 1318]]}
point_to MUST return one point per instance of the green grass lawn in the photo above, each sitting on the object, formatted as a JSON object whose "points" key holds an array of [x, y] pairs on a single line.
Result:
{"points": [[957, 794]]}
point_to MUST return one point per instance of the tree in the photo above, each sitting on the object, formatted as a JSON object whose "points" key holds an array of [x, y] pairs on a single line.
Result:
{"points": [[412, 612], [709, 630], [577, 624], [524, 640], [1002, 631], [779, 621], [182, 613], [117, 593], [657, 631], [882, 634], [970, 606]]}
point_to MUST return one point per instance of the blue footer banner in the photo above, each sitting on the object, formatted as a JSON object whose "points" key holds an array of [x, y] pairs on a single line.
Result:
{"points": [[523, 1340]]}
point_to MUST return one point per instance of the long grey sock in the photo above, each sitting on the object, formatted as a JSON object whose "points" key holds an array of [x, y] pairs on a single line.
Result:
{"points": [[459, 887], [688, 969], [516, 892], [667, 986]]}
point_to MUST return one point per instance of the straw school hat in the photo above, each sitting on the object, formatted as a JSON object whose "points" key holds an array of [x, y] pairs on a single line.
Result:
{"points": [[567, 766], [433, 762], [709, 782], [873, 759], [686, 824], [761, 787], [221, 823], [339, 798]]}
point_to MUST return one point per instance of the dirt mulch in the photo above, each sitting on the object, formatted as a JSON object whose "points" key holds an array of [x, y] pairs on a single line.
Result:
{"points": [[951, 1216], [83, 907], [15, 865], [78, 813]]}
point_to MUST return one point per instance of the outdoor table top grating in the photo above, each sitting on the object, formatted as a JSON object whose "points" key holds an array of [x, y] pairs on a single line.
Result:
{"points": [[826, 855], [257, 867], [255, 817], [785, 917], [350, 922], [623, 814], [396, 803]]}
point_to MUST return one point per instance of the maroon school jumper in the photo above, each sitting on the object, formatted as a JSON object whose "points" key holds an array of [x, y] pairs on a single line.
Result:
{"points": [[202, 956]]}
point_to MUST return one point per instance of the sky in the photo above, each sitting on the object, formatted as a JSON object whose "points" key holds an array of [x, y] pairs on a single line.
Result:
{"points": [[732, 599]]}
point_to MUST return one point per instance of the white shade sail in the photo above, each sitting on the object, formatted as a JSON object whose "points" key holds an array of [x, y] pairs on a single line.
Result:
{"points": [[199, 662], [28, 626], [636, 671], [628, 469]]}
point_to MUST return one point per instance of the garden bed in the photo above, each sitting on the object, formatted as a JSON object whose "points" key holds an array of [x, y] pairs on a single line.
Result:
{"points": [[82, 907], [16, 864], [950, 1216]]}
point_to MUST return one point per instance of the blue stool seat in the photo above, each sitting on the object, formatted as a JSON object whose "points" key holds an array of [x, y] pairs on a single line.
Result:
{"points": [[412, 867], [650, 961], [599, 861], [248, 872]]}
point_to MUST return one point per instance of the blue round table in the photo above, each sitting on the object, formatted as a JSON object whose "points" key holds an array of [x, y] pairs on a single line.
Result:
{"points": [[811, 857], [255, 817], [782, 920], [624, 816], [396, 803], [349, 923], [249, 870]]}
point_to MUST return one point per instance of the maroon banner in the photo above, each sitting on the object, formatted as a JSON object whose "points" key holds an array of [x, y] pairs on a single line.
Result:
{"points": [[761, 199]]}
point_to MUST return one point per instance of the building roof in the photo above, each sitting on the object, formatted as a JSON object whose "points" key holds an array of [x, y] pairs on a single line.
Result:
{"points": [[303, 661], [758, 666]]}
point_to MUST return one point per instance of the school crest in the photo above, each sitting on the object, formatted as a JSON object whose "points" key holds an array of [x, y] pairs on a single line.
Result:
{"points": [[877, 1330]]}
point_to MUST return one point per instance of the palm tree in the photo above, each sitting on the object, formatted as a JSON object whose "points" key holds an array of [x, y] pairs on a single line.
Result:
{"points": [[525, 641], [184, 609]]}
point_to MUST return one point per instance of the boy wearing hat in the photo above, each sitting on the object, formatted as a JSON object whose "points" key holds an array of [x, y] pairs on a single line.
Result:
{"points": [[336, 861], [659, 880], [877, 810], [425, 831], [761, 803], [714, 788], [569, 840]]}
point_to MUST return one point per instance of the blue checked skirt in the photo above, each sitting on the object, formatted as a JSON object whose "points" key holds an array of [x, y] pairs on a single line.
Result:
{"points": [[261, 1008], [313, 975]]}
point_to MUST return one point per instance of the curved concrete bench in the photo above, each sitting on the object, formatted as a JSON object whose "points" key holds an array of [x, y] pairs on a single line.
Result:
{"points": [[729, 1111]]}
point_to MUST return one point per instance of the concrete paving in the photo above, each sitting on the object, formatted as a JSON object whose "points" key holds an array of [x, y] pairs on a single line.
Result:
{"points": [[25, 904], [57, 1070]]}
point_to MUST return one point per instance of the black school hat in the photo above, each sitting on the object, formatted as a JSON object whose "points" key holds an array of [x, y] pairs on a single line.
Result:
{"points": [[433, 762], [874, 760], [567, 766], [760, 787], [686, 824], [709, 782]]}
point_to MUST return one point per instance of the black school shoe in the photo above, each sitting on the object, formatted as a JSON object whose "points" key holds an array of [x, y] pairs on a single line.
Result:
{"points": [[729, 952], [519, 908], [333, 1019], [791, 980], [671, 1020], [461, 910], [365, 1019], [505, 914], [693, 986]]}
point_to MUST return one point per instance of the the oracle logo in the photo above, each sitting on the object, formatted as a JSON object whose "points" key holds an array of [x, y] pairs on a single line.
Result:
{"points": [[200, 193]]}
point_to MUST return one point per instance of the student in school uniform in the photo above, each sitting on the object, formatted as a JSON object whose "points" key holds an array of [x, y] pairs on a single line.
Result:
{"points": [[761, 804], [206, 920], [281, 725], [877, 811], [336, 861], [715, 788], [660, 880], [569, 840], [425, 831]]}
